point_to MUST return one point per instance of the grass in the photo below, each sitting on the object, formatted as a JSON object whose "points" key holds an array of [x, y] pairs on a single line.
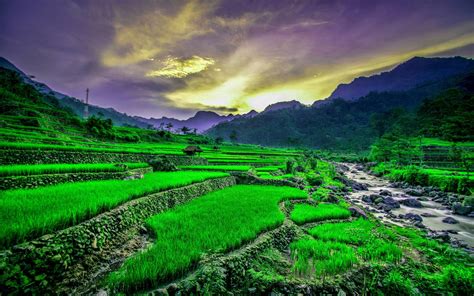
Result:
{"points": [[270, 168], [227, 168], [321, 258], [216, 222], [374, 241], [355, 232], [39, 169], [28, 213], [304, 213]]}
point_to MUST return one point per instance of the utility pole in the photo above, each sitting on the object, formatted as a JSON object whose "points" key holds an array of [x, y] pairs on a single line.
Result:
{"points": [[86, 106]]}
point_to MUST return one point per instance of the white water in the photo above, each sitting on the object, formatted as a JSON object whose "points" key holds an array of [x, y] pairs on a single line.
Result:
{"points": [[465, 227]]}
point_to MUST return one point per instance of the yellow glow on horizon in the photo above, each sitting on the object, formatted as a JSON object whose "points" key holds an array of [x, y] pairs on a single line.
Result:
{"points": [[180, 68]]}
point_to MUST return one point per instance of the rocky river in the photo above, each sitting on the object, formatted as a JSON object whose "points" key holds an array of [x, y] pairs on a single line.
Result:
{"points": [[405, 205]]}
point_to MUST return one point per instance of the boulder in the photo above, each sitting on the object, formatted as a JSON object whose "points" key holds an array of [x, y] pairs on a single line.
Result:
{"points": [[391, 202], [412, 217], [450, 220], [366, 198], [427, 215], [414, 192], [411, 202], [385, 193], [444, 236], [357, 212], [359, 186]]}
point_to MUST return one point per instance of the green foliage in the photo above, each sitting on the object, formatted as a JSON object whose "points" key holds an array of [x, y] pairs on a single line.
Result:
{"points": [[28, 213], [227, 168], [321, 258], [356, 232], [216, 222], [39, 169], [396, 284], [163, 164], [448, 116], [314, 179], [457, 279], [304, 213]]}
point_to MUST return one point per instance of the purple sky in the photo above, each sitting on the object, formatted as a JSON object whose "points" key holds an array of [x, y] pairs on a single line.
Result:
{"points": [[155, 58]]}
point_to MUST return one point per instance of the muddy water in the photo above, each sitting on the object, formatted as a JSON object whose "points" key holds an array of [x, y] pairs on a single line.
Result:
{"points": [[465, 227]]}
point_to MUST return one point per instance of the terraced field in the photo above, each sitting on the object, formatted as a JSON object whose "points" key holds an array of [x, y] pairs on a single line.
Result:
{"points": [[238, 219]]}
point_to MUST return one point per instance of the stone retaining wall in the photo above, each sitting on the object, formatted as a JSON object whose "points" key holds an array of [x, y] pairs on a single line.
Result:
{"points": [[244, 178], [37, 156], [52, 179], [34, 266], [227, 272]]}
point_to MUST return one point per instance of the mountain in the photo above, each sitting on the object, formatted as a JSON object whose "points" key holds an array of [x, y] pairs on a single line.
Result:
{"points": [[283, 105], [405, 76], [201, 121], [341, 124], [77, 106]]}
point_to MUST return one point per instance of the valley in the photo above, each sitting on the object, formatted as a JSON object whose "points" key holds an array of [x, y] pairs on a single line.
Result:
{"points": [[89, 207]]}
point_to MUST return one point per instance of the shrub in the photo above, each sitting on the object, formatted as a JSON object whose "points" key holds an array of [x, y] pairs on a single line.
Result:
{"points": [[314, 179], [396, 284], [163, 164]]}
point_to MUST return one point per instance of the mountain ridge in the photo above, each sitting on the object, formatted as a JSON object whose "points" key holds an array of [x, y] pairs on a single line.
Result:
{"points": [[404, 76]]}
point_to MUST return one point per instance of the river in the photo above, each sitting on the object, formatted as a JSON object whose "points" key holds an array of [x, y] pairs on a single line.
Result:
{"points": [[462, 231]]}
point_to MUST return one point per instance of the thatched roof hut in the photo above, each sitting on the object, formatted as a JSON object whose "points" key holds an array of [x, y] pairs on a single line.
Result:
{"points": [[192, 150]]}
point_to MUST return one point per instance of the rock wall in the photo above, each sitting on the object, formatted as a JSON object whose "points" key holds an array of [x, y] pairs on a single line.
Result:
{"points": [[52, 179], [244, 178], [36, 156], [35, 266], [220, 273]]}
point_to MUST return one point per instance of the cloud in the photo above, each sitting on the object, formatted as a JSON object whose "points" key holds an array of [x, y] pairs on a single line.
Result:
{"points": [[156, 32], [182, 67]]}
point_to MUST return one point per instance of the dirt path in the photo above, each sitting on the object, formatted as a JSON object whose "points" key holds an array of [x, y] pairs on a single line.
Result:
{"points": [[431, 213]]}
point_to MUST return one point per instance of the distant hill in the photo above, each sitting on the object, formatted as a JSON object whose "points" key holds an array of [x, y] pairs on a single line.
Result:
{"points": [[405, 76], [341, 124], [283, 105], [77, 106], [201, 121]]}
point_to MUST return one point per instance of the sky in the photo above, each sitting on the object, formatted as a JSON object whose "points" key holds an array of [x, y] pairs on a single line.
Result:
{"points": [[172, 58]]}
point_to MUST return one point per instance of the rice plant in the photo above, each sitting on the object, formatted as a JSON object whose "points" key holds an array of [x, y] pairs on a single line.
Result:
{"points": [[216, 222], [321, 258], [39, 169], [227, 168], [304, 213], [28, 213]]}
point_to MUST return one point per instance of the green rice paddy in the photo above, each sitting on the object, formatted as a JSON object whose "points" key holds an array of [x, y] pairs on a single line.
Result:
{"points": [[304, 213], [39, 169], [216, 222], [28, 213]]}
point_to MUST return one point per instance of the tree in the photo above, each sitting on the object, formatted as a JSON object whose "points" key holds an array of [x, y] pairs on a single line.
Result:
{"points": [[185, 130], [233, 136], [219, 140], [169, 126]]}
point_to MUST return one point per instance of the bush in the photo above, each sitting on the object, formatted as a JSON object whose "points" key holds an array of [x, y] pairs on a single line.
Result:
{"points": [[314, 179], [396, 284], [468, 201], [458, 280], [163, 164]]}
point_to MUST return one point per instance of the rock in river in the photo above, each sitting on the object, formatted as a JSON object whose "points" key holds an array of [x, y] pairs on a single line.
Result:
{"points": [[411, 202], [450, 220]]}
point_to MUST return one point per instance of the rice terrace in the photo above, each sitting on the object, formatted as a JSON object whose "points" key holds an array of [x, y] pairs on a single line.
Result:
{"points": [[237, 147]]}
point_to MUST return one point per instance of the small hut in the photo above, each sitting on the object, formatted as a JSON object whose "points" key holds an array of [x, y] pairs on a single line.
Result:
{"points": [[192, 150]]}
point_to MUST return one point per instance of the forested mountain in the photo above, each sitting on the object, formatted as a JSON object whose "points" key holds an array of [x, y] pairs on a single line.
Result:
{"points": [[355, 125], [412, 73], [77, 106]]}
